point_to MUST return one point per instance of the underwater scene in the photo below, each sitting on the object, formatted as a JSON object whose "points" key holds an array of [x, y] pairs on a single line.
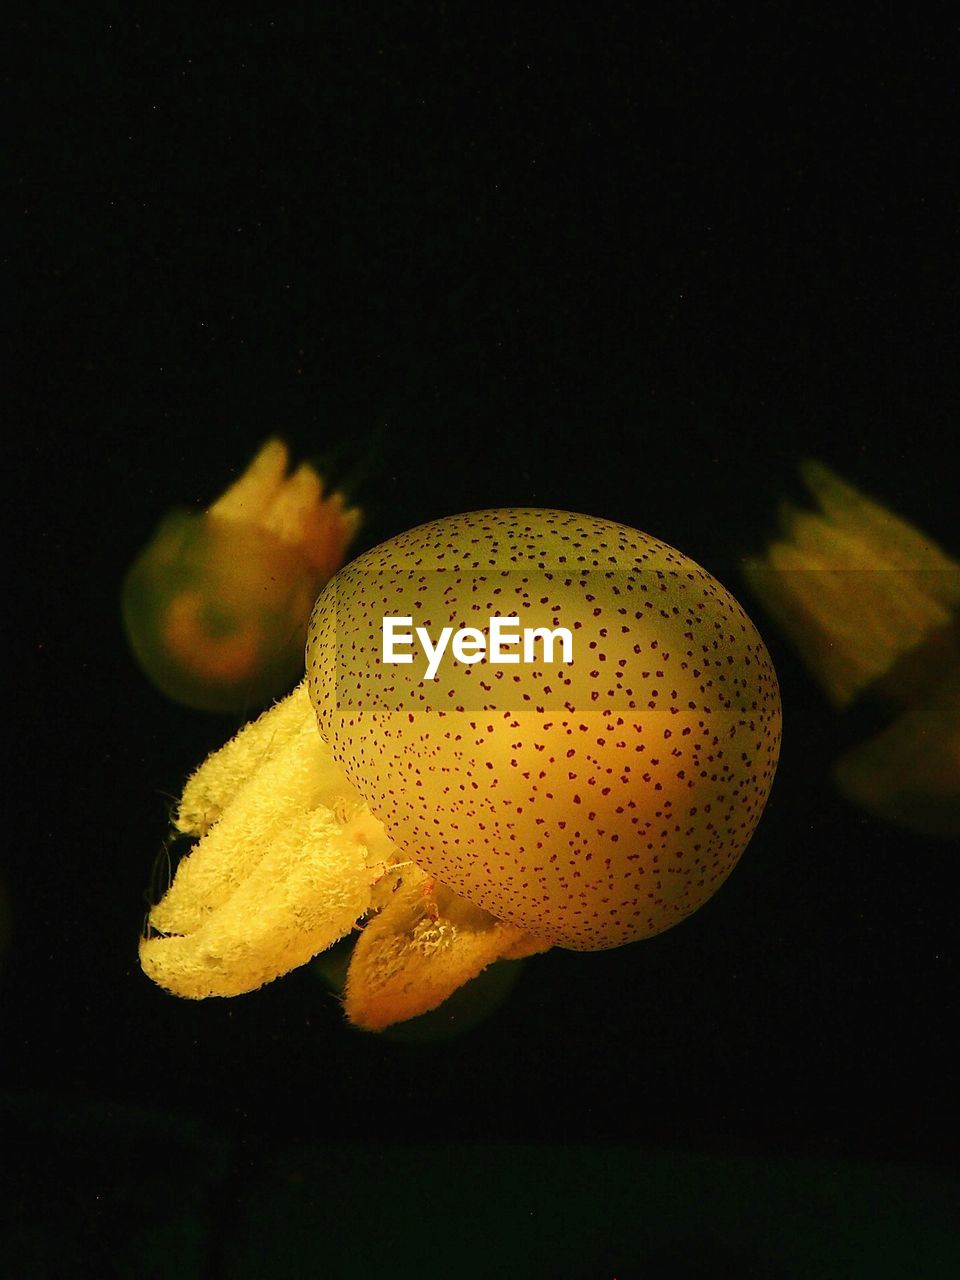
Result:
{"points": [[485, 650]]}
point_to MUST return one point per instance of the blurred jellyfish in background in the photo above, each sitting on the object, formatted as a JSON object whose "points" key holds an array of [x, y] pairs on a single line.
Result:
{"points": [[873, 606], [216, 607]]}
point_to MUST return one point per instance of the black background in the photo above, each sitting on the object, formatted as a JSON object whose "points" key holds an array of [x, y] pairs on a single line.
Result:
{"points": [[628, 262]]}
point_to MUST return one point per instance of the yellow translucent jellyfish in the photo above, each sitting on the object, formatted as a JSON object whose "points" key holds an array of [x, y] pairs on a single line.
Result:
{"points": [[873, 605], [583, 797], [216, 607]]}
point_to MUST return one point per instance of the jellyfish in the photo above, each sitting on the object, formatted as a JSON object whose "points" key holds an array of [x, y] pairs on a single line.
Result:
{"points": [[873, 606], [489, 801], [216, 607]]}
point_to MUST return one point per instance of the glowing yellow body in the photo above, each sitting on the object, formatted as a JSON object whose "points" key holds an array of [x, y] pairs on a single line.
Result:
{"points": [[488, 813], [592, 803], [216, 607]]}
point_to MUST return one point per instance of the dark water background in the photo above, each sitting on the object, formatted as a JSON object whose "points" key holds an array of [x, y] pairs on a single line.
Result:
{"points": [[620, 263]]}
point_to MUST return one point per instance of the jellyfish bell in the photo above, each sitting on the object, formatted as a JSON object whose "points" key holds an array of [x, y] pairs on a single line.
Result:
{"points": [[591, 802], [584, 800]]}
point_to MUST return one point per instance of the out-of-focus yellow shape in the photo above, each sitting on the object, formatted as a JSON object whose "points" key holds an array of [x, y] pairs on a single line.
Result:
{"points": [[216, 607], [489, 813], [873, 606]]}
